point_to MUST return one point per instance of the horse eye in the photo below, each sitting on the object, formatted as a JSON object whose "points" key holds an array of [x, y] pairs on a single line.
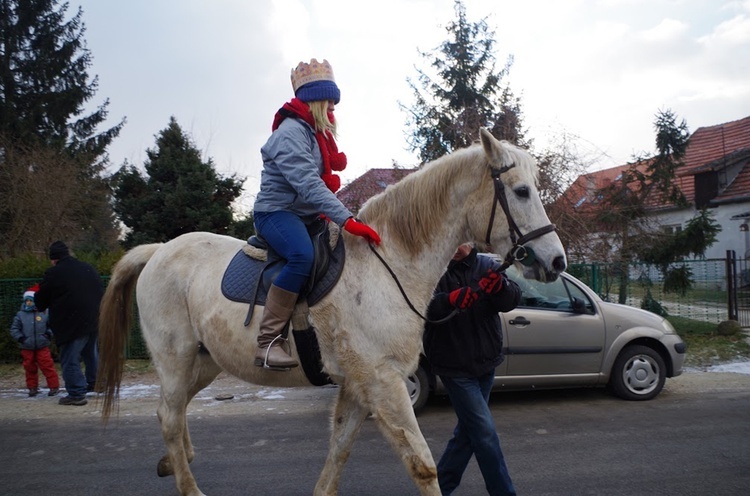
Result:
{"points": [[522, 192]]}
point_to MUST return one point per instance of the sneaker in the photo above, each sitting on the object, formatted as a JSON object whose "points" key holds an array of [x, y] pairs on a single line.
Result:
{"points": [[33, 392], [53, 391], [73, 400]]}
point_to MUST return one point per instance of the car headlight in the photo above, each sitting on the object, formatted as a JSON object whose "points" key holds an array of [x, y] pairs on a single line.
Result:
{"points": [[668, 328]]}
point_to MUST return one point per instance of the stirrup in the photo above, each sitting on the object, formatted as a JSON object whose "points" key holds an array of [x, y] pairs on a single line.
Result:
{"points": [[264, 363]]}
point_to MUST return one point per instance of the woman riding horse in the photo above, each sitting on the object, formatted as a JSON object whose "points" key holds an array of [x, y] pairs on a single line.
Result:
{"points": [[297, 185]]}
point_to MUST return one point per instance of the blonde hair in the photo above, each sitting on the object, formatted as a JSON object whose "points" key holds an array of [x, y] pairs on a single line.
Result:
{"points": [[319, 110]]}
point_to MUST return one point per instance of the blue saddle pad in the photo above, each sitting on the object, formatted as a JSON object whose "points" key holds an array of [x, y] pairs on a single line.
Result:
{"points": [[243, 278]]}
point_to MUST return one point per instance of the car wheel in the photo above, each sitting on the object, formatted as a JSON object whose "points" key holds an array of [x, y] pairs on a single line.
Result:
{"points": [[638, 374], [419, 389]]}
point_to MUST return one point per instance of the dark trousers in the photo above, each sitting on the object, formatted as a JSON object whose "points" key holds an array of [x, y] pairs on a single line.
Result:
{"points": [[71, 354], [474, 435]]}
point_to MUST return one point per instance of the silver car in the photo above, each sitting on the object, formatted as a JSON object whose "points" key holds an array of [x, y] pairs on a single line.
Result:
{"points": [[563, 335]]}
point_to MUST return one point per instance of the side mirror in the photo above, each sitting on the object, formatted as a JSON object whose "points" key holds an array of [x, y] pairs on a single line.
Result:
{"points": [[578, 305]]}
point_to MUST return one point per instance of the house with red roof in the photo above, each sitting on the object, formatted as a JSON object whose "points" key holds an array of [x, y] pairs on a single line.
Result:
{"points": [[715, 175], [369, 184]]}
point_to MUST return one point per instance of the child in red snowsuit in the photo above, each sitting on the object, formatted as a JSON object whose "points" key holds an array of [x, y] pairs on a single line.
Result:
{"points": [[31, 329]]}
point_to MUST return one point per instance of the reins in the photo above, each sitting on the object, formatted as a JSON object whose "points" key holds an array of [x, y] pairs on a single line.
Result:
{"points": [[517, 253], [403, 293]]}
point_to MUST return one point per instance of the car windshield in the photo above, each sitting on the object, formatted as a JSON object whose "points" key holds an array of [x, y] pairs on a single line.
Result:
{"points": [[558, 295]]}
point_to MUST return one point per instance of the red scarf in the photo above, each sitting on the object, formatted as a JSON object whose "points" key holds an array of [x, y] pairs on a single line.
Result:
{"points": [[333, 160]]}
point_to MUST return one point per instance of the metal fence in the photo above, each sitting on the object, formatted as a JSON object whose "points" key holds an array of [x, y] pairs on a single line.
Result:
{"points": [[720, 288], [720, 291], [706, 300]]}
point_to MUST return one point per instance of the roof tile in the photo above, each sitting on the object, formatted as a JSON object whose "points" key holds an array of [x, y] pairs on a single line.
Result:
{"points": [[372, 182]]}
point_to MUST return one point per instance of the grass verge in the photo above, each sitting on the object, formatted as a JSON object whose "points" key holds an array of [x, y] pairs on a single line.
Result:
{"points": [[706, 347]]}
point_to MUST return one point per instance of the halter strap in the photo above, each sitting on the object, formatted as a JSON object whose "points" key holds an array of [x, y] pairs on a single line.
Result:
{"points": [[518, 251], [503, 201]]}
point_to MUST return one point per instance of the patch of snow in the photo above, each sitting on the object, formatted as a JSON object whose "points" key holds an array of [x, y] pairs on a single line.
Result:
{"points": [[277, 394], [139, 391], [734, 367]]}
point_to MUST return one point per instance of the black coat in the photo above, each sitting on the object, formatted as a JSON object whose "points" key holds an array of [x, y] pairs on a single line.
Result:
{"points": [[471, 343], [72, 290]]}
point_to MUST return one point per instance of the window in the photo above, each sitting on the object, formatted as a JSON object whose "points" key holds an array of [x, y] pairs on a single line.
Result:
{"points": [[557, 295]]}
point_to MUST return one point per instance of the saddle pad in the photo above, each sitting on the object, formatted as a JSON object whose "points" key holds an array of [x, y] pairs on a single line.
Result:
{"points": [[242, 277], [240, 281]]}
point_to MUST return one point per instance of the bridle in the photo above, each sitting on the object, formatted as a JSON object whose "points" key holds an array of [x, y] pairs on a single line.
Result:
{"points": [[518, 252]]}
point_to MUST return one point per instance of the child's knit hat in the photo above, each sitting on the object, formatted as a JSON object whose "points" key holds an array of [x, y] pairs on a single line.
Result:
{"points": [[315, 82]]}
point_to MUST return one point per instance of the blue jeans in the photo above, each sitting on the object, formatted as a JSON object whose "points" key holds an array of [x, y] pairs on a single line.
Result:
{"points": [[474, 435], [70, 363], [287, 235], [90, 357]]}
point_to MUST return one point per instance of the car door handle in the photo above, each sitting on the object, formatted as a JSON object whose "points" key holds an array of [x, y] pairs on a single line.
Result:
{"points": [[520, 321]]}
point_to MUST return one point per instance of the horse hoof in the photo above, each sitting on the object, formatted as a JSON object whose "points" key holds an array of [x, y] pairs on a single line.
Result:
{"points": [[164, 468]]}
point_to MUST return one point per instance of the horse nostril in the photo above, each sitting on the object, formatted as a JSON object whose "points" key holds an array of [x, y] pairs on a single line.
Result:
{"points": [[559, 263]]}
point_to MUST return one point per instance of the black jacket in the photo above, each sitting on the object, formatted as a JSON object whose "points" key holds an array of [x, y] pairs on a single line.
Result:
{"points": [[471, 343], [72, 290]]}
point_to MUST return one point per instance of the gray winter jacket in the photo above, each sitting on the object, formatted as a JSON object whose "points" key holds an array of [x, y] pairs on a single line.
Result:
{"points": [[291, 178], [33, 326]]}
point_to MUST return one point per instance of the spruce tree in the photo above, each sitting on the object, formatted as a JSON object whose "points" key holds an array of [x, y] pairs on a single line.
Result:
{"points": [[625, 206], [467, 93], [51, 183], [180, 193]]}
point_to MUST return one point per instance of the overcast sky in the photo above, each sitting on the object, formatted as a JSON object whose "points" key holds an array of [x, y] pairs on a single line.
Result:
{"points": [[596, 70]]}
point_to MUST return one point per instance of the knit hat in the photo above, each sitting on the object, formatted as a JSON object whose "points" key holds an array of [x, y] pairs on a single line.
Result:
{"points": [[315, 82], [58, 250], [28, 295]]}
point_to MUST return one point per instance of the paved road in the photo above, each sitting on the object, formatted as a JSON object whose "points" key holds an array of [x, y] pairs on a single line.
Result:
{"points": [[576, 442]]}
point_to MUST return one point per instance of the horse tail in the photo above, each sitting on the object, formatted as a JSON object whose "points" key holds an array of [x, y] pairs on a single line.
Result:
{"points": [[115, 320]]}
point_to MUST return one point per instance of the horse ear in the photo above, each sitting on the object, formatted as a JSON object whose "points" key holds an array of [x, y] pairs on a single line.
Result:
{"points": [[496, 153]]}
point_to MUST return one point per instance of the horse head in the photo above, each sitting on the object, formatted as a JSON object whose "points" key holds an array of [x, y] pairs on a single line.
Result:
{"points": [[519, 229]]}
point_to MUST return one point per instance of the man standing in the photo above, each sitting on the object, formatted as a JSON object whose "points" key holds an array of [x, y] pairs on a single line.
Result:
{"points": [[73, 290], [463, 352]]}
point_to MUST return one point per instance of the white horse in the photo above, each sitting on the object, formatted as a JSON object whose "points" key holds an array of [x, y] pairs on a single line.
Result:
{"points": [[370, 339]]}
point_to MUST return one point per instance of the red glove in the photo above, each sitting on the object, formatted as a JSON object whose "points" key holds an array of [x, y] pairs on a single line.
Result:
{"points": [[463, 298], [491, 282], [358, 228]]}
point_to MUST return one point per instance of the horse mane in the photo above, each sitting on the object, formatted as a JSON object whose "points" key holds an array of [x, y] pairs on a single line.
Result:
{"points": [[413, 207]]}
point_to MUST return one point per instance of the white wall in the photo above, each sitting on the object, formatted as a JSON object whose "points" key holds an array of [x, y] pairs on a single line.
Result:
{"points": [[730, 237]]}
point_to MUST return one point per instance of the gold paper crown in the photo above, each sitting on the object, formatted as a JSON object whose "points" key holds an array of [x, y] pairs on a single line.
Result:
{"points": [[314, 71]]}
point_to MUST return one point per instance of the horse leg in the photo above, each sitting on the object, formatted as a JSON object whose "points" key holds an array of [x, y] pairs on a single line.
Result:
{"points": [[176, 392], [395, 417], [347, 420], [164, 467]]}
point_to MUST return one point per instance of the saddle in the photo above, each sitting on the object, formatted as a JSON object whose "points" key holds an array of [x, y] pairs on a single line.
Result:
{"points": [[254, 268]]}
